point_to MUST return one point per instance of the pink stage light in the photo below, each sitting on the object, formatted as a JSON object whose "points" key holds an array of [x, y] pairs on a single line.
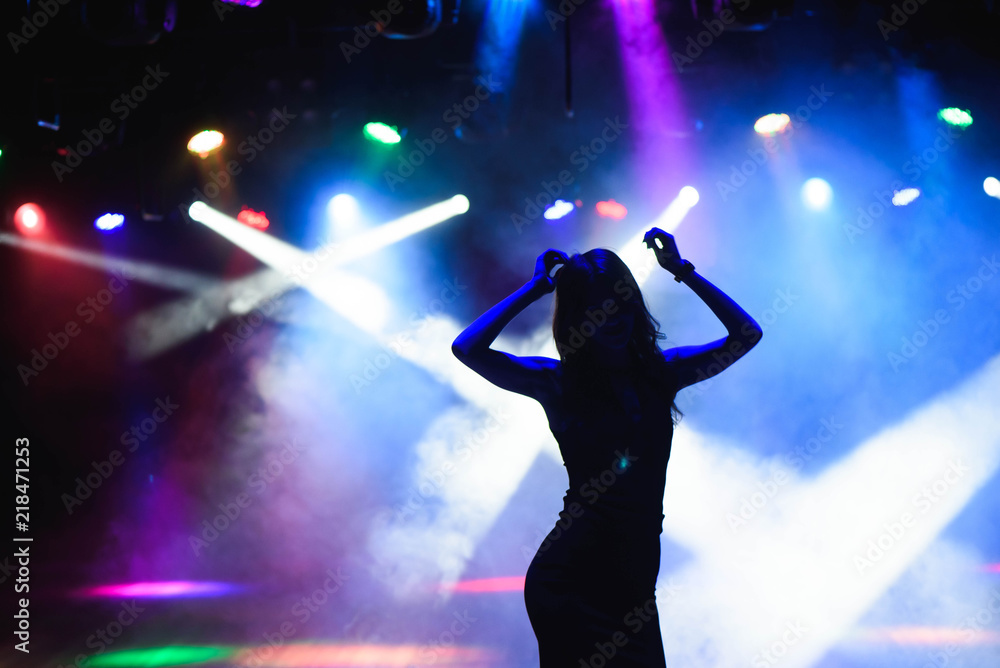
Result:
{"points": [[168, 589], [383, 656], [929, 635], [611, 209], [486, 585]]}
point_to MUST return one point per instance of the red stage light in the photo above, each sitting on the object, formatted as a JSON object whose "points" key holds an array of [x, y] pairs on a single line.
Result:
{"points": [[255, 219], [29, 219], [611, 209]]}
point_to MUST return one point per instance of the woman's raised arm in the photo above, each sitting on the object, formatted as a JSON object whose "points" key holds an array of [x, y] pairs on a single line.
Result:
{"points": [[530, 376], [698, 363]]}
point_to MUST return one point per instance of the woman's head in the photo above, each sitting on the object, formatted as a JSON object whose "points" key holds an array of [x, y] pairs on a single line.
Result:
{"points": [[600, 315]]}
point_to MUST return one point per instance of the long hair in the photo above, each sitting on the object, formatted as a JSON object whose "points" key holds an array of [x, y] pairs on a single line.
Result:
{"points": [[573, 323]]}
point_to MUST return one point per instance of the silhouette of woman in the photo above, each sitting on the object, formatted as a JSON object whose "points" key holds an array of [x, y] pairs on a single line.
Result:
{"points": [[609, 399]]}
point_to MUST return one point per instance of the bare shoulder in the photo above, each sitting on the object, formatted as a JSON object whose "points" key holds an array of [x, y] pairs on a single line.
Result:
{"points": [[533, 376]]}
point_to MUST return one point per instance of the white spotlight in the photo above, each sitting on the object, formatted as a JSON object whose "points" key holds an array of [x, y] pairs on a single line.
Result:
{"points": [[689, 196], [992, 186], [817, 194], [460, 204], [905, 196], [343, 211]]}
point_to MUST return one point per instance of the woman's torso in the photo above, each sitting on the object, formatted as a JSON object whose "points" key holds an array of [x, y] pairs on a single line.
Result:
{"points": [[615, 438]]}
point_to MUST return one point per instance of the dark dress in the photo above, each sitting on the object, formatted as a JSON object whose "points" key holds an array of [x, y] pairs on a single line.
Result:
{"points": [[590, 589]]}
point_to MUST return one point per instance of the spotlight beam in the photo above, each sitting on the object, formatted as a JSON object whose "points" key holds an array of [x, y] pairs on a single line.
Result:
{"points": [[285, 257], [154, 332], [144, 272], [640, 259], [394, 231]]}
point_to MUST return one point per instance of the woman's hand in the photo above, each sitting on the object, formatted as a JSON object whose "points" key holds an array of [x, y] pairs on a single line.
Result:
{"points": [[546, 268], [666, 251]]}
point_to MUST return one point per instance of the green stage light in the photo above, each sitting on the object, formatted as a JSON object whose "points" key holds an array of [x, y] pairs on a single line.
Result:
{"points": [[953, 116], [159, 656], [382, 133]]}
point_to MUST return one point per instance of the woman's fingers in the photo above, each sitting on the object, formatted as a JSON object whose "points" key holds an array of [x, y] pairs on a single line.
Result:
{"points": [[554, 260], [655, 233]]}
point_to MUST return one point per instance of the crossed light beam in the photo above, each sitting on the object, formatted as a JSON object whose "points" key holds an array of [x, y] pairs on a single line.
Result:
{"points": [[157, 331], [789, 579]]}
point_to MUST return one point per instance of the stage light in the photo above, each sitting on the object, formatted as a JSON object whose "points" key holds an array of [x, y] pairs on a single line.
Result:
{"points": [[160, 656], [636, 254], [255, 219], [205, 142], [168, 589], [459, 204], [992, 186], [343, 212], [382, 133], [338, 655], [29, 219], [953, 116], [243, 3], [817, 194], [558, 209], [611, 209], [263, 246], [487, 585], [771, 124], [144, 272], [361, 302], [689, 196], [109, 222], [905, 196]]}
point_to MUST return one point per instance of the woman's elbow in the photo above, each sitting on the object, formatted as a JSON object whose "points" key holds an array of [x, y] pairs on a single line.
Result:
{"points": [[751, 332]]}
